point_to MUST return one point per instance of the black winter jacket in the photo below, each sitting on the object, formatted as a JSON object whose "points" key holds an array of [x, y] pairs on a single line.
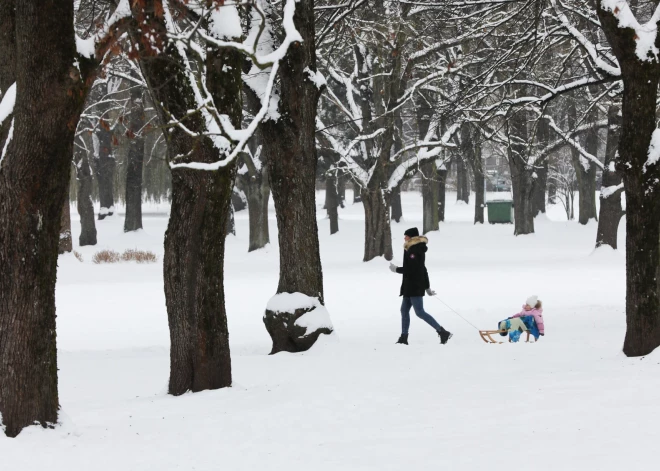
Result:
{"points": [[415, 277]]}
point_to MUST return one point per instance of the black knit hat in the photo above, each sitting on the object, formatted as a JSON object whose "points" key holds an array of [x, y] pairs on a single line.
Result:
{"points": [[412, 232]]}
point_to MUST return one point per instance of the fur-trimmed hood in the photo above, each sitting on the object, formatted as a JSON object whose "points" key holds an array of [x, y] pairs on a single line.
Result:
{"points": [[415, 241]]}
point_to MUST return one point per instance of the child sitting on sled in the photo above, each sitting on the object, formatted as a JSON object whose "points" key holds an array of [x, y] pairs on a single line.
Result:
{"points": [[529, 320]]}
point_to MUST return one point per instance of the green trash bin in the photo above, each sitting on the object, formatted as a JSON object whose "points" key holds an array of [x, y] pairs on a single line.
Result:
{"points": [[500, 212]]}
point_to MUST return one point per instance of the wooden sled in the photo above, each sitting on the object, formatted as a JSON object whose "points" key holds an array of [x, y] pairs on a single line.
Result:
{"points": [[486, 335]]}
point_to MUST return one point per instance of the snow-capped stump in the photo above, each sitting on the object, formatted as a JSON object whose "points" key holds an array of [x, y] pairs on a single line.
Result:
{"points": [[295, 321]]}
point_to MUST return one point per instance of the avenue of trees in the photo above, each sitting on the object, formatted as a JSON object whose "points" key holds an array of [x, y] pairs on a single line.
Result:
{"points": [[216, 106]]}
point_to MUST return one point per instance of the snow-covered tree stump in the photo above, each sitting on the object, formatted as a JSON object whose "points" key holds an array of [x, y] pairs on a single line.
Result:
{"points": [[295, 322]]}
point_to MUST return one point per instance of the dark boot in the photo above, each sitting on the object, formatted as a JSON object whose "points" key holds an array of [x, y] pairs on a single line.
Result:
{"points": [[444, 335], [403, 339]]}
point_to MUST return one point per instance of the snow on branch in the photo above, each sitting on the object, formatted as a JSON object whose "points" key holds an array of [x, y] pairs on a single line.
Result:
{"points": [[402, 169], [87, 47], [591, 49], [227, 139], [645, 35], [574, 143], [250, 46]]}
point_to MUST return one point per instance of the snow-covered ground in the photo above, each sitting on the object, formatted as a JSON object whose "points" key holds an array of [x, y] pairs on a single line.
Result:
{"points": [[357, 401]]}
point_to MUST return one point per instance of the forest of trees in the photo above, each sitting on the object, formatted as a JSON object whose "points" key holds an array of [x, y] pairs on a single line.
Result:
{"points": [[215, 106]]}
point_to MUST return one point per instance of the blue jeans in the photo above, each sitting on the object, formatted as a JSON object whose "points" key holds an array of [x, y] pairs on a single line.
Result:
{"points": [[416, 302]]}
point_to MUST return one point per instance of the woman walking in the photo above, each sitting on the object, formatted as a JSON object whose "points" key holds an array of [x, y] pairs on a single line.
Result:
{"points": [[415, 283]]}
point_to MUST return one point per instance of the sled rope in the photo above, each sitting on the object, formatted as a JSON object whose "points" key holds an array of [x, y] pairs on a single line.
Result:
{"points": [[449, 307]]}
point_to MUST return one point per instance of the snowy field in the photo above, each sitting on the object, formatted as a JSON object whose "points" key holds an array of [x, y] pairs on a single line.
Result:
{"points": [[357, 401]]}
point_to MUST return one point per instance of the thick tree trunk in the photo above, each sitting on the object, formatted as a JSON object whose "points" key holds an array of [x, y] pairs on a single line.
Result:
{"points": [[479, 197], [471, 150], [586, 177], [442, 193], [66, 241], [84, 201], [34, 179], [341, 189], [193, 263], [255, 183], [610, 195], [290, 148], [522, 186], [395, 204], [521, 178], [104, 161], [552, 189], [462, 180], [585, 171], [641, 179], [430, 198], [540, 186], [194, 279], [133, 219], [258, 194], [332, 202], [377, 231], [540, 170]]}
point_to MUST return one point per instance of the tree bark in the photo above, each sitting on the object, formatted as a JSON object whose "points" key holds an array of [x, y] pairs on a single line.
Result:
{"points": [[585, 171], [430, 198], [641, 183], [133, 219], [552, 189], [290, 148], [84, 201], [521, 178], [540, 170], [378, 234], [34, 179], [462, 180], [193, 263], [395, 204], [66, 241], [442, 193], [258, 194], [480, 196], [610, 196], [471, 150], [540, 186], [341, 188], [255, 182], [332, 202], [104, 163]]}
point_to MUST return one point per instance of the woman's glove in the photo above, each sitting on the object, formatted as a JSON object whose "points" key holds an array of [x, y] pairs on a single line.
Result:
{"points": [[393, 268], [430, 292]]}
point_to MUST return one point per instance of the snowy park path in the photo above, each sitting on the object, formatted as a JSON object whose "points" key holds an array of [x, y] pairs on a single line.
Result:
{"points": [[357, 401]]}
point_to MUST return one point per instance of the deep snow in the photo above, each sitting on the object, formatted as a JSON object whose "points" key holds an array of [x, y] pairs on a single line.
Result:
{"points": [[356, 401]]}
